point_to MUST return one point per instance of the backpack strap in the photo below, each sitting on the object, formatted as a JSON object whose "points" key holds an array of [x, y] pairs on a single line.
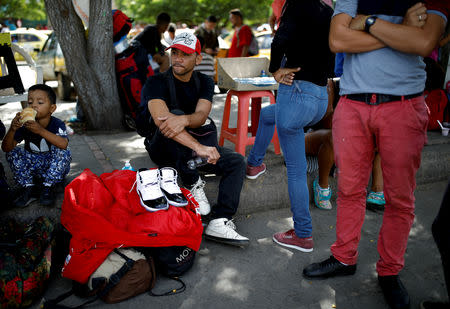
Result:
{"points": [[113, 280]]}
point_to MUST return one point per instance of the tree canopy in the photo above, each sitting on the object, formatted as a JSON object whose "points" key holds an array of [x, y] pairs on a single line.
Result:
{"points": [[23, 9], [195, 11]]}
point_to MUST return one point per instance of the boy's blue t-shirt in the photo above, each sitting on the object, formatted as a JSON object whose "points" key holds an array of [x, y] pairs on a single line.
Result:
{"points": [[383, 70], [34, 142]]}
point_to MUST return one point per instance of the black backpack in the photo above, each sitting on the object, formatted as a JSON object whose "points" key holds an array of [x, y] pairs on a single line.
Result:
{"points": [[145, 126]]}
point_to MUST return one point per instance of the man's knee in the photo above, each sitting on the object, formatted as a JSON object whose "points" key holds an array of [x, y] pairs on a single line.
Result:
{"points": [[234, 161]]}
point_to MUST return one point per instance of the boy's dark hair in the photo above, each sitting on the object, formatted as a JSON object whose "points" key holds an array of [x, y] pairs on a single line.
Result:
{"points": [[163, 18], [50, 93], [236, 12], [212, 19]]}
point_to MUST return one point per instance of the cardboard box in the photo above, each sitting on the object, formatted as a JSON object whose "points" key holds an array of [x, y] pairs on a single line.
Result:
{"points": [[241, 67]]}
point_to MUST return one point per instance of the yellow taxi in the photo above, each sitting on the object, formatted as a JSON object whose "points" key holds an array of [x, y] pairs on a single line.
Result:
{"points": [[30, 39]]}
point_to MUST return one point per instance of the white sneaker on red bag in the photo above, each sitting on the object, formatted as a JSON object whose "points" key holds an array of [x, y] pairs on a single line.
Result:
{"points": [[149, 191], [169, 187]]}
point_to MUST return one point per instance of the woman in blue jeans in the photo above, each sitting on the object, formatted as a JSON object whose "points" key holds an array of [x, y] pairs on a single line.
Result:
{"points": [[302, 100]]}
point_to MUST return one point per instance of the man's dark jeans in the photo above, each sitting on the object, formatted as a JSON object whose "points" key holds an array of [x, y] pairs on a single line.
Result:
{"points": [[441, 234], [231, 166]]}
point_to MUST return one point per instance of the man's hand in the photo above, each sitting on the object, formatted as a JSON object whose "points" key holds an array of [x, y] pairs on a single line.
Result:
{"points": [[33, 126], [285, 75], [171, 126], [359, 22], [208, 152], [416, 16]]}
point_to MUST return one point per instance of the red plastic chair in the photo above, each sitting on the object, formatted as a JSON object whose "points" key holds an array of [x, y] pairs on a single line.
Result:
{"points": [[239, 135]]}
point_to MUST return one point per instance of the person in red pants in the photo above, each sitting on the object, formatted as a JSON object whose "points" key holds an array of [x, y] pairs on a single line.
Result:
{"points": [[382, 105]]}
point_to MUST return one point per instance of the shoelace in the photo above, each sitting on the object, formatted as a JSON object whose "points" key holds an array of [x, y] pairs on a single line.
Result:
{"points": [[134, 183], [198, 189], [379, 196], [325, 193], [145, 184], [231, 224], [172, 183]]}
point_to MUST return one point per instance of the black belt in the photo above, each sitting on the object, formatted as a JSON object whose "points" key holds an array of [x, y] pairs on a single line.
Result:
{"points": [[378, 98]]}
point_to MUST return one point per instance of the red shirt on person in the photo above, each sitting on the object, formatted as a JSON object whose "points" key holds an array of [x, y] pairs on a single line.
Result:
{"points": [[245, 38]]}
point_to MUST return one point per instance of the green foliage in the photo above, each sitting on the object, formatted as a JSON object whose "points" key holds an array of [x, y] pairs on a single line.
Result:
{"points": [[24, 9], [194, 12]]}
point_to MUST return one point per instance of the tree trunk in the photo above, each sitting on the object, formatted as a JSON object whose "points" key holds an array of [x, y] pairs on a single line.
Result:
{"points": [[89, 61]]}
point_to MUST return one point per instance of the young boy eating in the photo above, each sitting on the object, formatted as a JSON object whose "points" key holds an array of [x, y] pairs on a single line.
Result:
{"points": [[45, 153]]}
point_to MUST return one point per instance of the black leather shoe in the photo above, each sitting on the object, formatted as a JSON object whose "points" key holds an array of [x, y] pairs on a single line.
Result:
{"points": [[328, 268], [394, 292]]}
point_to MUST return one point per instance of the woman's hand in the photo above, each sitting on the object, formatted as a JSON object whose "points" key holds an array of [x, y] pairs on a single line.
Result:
{"points": [[285, 75]]}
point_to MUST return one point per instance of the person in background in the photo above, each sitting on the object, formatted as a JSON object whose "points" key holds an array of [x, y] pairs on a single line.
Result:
{"points": [[383, 78], [45, 153], [207, 65], [208, 34], [150, 38], [318, 142], [169, 35], [302, 101], [242, 36], [274, 19]]}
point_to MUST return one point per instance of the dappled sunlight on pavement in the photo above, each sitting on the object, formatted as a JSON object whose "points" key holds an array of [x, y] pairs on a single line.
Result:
{"points": [[228, 283]]}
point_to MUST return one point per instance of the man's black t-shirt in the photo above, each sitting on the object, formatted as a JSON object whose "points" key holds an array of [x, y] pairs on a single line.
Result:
{"points": [[157, 87]]}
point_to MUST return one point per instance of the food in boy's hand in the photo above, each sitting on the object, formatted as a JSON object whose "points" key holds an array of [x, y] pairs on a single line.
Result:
{"points": [[27, 114]]}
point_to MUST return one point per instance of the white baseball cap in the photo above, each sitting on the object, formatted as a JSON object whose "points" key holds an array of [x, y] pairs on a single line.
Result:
{"points": [[187, 43]]}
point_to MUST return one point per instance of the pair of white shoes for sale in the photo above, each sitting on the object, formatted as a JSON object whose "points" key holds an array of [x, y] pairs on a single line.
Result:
{"points": [[158, 188]]}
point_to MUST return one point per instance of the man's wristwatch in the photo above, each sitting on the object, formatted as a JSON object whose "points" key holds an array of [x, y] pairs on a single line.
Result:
{"points": [[369, 22]]}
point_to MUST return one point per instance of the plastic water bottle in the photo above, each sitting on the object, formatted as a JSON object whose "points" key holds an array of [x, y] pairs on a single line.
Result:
{"points": [[128, 166], [196, 162], [263, 73]]}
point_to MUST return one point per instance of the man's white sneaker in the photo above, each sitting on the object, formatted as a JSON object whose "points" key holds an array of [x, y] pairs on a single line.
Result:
{"points": [[149, 191], [199, 194], [224, 231], [170, 188]]}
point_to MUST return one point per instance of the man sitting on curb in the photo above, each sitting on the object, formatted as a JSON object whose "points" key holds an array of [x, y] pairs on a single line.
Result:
{"points": [[179, 102]]}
